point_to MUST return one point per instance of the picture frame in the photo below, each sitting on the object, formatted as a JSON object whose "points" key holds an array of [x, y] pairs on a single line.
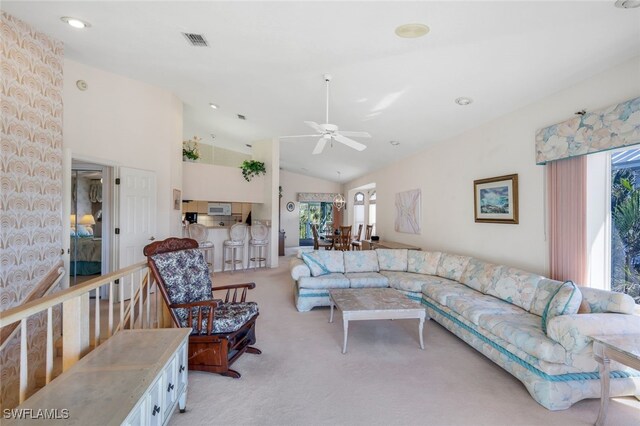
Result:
{"points": [[291, 206], [177, 199], [495, 199]]}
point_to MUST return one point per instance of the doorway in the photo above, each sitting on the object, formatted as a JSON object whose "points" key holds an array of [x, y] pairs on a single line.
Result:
{"points": [[89, 250], [318, 213]]}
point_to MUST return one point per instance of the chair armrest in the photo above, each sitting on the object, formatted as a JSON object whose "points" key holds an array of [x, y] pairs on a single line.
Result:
{"points": [[232, 292], [232, 286], [573, 331]]}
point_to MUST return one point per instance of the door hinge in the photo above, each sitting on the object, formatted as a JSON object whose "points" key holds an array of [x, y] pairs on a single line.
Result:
{"points": [[116, 281], [61, 252], [117, 181], [117, 231]]}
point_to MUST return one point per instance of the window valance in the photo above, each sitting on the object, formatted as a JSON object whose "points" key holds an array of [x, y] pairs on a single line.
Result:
{"points": [[316, 197], [601, 130]]}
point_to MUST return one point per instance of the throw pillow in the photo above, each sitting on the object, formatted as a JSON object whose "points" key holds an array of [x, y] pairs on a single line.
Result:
{"points": [[315, 263], [565, 301]]}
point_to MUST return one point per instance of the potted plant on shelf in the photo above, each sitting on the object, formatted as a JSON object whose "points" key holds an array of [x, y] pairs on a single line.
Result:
{"points": [[251, 168], [190, 149]]}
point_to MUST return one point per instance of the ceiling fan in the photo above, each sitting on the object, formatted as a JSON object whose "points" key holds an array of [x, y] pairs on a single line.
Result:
{"points": [[329, 132]]}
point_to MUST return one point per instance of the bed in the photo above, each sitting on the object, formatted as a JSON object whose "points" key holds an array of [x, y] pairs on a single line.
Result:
{"points": [[86, 256]]}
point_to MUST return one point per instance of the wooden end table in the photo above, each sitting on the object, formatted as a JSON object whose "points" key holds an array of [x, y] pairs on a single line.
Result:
{"points": [[375, 304], [623, 348]]}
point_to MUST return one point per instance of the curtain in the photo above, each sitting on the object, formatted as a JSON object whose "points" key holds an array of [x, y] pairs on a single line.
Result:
{"points": [[567, 197]]}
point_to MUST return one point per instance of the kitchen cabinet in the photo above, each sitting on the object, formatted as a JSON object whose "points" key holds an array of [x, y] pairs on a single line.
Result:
{"points": [[246, 209], [202, 207], [190, 206], [236, 208]]}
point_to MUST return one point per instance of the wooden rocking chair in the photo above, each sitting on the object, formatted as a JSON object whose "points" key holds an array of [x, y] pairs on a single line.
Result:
{"points": [[221, 330]]}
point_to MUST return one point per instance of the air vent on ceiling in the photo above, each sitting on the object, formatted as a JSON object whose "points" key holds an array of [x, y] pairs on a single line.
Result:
{"points": [[242, 117], [197, 40]]}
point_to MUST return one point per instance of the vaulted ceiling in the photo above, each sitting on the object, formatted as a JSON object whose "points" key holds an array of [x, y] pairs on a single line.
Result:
{"points": [[265, 60]]}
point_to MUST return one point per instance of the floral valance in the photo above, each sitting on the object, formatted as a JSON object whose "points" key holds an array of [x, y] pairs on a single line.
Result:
{"points": [[594, 131], [316, 196]]}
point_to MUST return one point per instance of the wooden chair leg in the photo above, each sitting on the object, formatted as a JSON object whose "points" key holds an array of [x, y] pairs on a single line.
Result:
{"points": [[252, 350], [231, 373]]}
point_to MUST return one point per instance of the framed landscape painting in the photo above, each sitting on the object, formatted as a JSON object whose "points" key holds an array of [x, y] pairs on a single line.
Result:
{"points": [[496, 199]]}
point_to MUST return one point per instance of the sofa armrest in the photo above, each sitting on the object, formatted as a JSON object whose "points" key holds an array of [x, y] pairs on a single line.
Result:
{"points": [[299, 269], [573, 331]]}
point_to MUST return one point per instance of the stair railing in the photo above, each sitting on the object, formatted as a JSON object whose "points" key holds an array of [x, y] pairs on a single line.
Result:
{"points": [[77, 316]]}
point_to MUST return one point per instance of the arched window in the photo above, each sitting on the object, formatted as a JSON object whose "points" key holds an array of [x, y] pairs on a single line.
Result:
{"points": [[358, 198]]}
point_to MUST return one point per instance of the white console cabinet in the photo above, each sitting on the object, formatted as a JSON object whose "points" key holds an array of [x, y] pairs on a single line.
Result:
{"points": [[137, 377]]}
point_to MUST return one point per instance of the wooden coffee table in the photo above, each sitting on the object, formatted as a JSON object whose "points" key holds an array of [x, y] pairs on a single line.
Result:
{"points": [[375, 304]]}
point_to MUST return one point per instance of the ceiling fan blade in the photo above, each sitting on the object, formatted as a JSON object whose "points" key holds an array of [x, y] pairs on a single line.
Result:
{"points": [[350, 143], [319, 146], [315, 126], [299, 136], [354, 134]]}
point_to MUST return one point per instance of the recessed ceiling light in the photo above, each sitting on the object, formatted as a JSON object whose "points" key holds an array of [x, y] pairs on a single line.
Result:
{"points": [[241, 117], [75, 22], [627, 4], [248, 145], [394, 143], [412, 30], [463, 101], [214, 106]]}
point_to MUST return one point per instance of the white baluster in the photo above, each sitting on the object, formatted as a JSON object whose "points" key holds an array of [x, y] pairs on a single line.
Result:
{"points": [[110, 329], [140, 294], [96, 341], [24, 371], [121, 293], [50, 345], [132, 305]]}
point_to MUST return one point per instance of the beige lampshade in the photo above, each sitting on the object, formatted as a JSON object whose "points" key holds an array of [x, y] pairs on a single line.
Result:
{"points": [[87, 219]]}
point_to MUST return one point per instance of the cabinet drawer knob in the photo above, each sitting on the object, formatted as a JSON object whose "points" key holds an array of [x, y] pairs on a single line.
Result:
{"points": [[181, 368], [170, 387], [156, 410]]}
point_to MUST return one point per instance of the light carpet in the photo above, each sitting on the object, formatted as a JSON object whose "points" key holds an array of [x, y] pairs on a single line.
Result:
{"points": [[302, 378]]}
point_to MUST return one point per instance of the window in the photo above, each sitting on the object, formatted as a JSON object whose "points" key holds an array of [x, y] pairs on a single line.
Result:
{"points": [[372, 211], [358, 210], [318, 213], [625, 222]]}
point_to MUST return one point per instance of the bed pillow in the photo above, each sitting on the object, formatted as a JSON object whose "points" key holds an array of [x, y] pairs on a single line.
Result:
{"points": [[84, 231]]}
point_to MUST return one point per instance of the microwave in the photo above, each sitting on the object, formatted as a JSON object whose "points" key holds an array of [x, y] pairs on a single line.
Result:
{"points": [[219, 209]]}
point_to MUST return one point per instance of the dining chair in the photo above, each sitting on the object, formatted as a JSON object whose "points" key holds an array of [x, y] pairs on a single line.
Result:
{"points": [[356, 244], [368, 232], [317, 242], [343, 240]]}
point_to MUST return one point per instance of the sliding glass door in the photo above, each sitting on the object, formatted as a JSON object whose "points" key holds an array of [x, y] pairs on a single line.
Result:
{"points": [[318, 213]]}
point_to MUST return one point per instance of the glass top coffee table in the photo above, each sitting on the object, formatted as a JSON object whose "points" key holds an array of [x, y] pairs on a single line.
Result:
{"points": [[623, 348], [375, 304]]}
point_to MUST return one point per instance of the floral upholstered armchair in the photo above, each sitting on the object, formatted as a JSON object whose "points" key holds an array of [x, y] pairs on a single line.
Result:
{"points": [[222, 330]]}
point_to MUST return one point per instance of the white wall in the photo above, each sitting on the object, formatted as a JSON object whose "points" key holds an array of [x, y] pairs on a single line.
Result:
{"points": [[268, 151], [292, 183], [123, 122], [221, 183], [446, 172]]}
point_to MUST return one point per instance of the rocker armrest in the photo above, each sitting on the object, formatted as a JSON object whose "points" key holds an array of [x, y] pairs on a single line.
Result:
{"points": [[232, 296], [573, 331]]}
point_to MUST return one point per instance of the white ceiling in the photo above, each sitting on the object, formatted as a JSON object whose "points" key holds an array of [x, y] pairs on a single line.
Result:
{"points": [[266, 61]]}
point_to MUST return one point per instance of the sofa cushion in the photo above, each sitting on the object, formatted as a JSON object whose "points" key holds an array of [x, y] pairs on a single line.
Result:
{"points": [[565, 301], [451, 266], [441, 290], [334, 280], [479, 274], [472, 306], [515, 286], [366, 279], [322, 262], [392, 259], [408, 281], [423, 262], [524, 331], [602, 301], [361, 261]]}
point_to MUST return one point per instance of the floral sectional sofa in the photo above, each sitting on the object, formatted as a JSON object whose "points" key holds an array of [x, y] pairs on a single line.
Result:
{"points": [[527, 324]]}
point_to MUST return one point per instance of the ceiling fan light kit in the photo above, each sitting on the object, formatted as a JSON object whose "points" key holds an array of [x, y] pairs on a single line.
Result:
{"points": [[330, 132]]}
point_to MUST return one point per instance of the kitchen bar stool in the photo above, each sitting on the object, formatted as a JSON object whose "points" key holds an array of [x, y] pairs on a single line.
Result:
{"points": [[199, 233], [237, 235], [259, 241]]}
